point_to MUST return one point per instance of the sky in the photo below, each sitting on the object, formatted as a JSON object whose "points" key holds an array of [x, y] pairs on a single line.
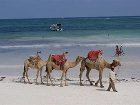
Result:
{"points": [[13, 9]]}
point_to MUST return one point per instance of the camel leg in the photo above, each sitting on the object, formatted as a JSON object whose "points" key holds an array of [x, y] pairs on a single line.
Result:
{"points": [[87, 75], [47, 79], [61, 84], [80, 76], [28, 78], [96, 84], [66, 78], [51, 80], [49, 76], [37, 76], [100, 79], [82, 68], [24, 74], [41, 76]]}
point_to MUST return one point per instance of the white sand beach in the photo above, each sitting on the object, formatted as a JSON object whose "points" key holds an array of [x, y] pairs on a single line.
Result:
{"points": [[15, 93]]}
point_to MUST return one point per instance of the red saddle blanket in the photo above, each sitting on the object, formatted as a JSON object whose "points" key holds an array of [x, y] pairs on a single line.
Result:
{"points": [[58, 59], [93, 55]]}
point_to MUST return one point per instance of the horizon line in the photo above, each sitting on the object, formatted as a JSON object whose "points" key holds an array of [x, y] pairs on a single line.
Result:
{"points": [[66, 17]]}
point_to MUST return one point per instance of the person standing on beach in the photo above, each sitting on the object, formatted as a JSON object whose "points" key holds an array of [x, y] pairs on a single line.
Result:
{"points": [[121, 51], [117, 53], [112, 79]]}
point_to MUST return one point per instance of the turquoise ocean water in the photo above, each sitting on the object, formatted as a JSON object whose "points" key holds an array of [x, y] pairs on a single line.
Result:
{"points": [[20, 38]]}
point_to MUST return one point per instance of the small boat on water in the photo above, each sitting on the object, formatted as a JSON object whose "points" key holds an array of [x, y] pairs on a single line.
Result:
{"points": [[56, 27]]}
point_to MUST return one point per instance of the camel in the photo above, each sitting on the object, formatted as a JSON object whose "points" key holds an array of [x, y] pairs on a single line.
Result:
{"points": [[34, 62], [100, 67], [51, 65]]}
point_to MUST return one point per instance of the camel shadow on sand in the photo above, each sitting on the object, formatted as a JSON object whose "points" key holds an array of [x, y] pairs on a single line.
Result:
{"points": [[101, 89]]}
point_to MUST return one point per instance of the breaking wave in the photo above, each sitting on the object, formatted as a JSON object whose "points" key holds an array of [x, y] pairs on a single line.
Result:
{"points": [[69, 45]]}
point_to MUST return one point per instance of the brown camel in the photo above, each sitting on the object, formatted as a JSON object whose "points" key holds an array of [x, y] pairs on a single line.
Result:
{"points": [[100, 67], [51, 65], [34, 62]]}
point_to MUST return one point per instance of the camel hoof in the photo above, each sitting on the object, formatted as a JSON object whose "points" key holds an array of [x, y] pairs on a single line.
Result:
{"points": [[36, 83], [102, 86], [53, 84], [66, 85], [81, 84], [48, 84], [42, 83], [25, 82], [61, 85], [91, 83], [30, 83], [96, 84]]}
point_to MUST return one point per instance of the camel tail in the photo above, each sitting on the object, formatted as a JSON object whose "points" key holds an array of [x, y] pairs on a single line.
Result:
{"points": [[46, 69], [24, 72]]}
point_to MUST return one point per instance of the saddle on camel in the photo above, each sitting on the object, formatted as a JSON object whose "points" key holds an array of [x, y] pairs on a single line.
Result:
{"points": [[93, 55], [34, 59], [59, 59]]}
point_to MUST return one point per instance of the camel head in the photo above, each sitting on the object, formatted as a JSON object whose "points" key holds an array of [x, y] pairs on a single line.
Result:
{"points": [[79, 58], [115, 63], [49, 58]]}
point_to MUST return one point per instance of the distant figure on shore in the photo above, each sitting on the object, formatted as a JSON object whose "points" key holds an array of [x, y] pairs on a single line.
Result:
{"points": [[119, 51], [112, 78]]}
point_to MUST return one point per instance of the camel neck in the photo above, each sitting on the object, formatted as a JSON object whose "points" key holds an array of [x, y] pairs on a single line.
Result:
{"points": [[75, 63], [107, 65]]}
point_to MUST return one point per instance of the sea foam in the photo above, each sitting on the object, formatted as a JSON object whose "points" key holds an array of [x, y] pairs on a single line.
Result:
{"points": [[70, 45]]}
